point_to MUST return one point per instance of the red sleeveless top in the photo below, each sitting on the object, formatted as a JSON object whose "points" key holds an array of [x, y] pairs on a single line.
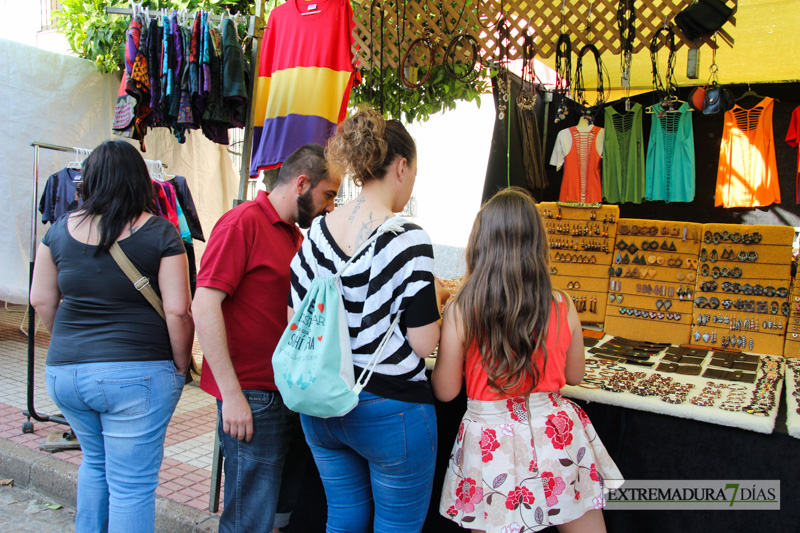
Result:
{"points": [[552, 378]]}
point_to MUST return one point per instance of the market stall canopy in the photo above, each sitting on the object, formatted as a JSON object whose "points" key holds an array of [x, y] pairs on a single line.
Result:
{"points": [[755, 45]]}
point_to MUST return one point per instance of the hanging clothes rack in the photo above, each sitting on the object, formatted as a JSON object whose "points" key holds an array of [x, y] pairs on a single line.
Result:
{"points": [[27, 426], [255, 29]]}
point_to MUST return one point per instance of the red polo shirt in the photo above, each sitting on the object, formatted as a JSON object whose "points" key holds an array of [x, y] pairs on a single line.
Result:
{"points": [[248, 256]]}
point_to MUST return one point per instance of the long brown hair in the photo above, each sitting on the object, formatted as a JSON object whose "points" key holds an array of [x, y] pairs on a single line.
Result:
{"points": [[506, 296]]}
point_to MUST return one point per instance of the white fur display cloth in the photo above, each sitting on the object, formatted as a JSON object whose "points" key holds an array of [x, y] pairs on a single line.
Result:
{"points": [[792, 401], [712, 414]]}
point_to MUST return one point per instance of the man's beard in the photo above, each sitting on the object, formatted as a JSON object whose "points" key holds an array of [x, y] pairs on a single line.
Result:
{"points": [[305, 210]]}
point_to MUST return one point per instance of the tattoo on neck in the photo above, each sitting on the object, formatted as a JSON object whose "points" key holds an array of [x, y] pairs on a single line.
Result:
{"points": [[367, 228], [133, 229], [364, 231], [359, 203]]}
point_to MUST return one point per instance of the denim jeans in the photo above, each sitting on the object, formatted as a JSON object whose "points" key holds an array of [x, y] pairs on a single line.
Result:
{"points": [[266, 473], [119, 412], [377, 460]]}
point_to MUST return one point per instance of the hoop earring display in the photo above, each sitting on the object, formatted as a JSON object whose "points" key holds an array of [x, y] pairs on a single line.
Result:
{"points": [[450, 59], [427, 43]]}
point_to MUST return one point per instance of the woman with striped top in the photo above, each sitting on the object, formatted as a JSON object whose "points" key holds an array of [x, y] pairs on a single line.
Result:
{"points": [[377, 461]]}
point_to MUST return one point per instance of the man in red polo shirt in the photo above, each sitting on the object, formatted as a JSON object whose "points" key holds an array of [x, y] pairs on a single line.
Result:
{"points": [[240, 313]]}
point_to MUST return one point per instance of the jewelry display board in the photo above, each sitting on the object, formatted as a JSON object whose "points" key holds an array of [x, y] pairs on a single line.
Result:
{"points": [[792, 346], [388, 29], [793, 397], [742, 293], [652, 280], [581, 241], [677, 383]]}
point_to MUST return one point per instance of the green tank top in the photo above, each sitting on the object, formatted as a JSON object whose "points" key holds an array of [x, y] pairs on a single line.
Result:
{"points": [[623, 156]]}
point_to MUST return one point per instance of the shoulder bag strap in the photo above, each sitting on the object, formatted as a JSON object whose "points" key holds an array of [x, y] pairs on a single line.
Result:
{"points": [[141, 283]]}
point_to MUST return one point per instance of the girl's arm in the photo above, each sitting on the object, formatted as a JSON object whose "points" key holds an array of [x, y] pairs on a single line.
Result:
{"points": [[173, 280], [45, 294], [574, 368], [448, 374]]}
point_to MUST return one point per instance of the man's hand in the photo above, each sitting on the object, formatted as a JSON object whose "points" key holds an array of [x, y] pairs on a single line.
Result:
{"points": [[237, 419]]}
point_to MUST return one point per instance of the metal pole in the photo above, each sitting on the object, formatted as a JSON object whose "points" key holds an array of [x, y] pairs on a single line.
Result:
{"points": [[27, 427], [256, 30], [31, 412]]}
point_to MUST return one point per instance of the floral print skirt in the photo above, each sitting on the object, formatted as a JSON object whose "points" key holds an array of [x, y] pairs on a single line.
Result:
{"points": [[524, 464]]}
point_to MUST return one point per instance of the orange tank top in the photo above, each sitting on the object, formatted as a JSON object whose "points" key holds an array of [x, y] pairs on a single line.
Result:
{"points": [[552, 379], [748, 171]]}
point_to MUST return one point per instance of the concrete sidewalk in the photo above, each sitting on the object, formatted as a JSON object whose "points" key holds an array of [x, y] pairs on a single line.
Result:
{"points": [[183, 492]]}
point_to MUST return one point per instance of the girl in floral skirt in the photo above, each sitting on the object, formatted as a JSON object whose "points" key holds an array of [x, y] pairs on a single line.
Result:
{"points": [[525, 458]]}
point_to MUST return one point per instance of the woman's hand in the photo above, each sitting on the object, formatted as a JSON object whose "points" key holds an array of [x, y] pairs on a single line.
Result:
{"points": [[442, 293]]}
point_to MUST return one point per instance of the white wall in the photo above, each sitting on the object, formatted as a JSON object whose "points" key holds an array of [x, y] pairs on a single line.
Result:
{"points": [[62, 100], [50, 98]]}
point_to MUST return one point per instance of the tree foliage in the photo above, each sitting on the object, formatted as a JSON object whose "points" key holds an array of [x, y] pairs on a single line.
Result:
{"points": [[99, 37], [440, 93]]}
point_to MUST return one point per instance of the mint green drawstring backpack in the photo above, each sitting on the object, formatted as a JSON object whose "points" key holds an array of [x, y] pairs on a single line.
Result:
{"points": [[313, 362]]}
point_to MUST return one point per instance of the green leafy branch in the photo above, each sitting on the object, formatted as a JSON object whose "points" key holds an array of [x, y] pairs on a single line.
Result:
{"points": [[440, 93]]}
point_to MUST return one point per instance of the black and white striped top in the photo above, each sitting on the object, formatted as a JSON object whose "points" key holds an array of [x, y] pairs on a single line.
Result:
{"points": [[394, 275]]}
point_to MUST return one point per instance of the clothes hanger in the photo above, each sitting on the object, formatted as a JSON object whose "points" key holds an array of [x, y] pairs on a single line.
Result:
{"points": [[80, 155], [750, 92], [156, 169]]}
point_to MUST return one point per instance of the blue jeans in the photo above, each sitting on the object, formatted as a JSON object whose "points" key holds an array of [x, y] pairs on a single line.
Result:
{"points": [[377, 459], [266, 473], [119, 412]]}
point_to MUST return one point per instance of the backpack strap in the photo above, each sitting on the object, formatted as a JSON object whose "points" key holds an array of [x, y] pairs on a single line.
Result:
{"points": [[394, 225], [366, 373]]}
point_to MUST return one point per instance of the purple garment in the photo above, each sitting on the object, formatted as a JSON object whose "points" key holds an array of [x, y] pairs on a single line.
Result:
{"points": [[178, 38], [131, 47]]}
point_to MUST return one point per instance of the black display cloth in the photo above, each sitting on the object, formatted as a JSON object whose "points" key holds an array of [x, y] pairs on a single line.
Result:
{"points": [[645, 446]]}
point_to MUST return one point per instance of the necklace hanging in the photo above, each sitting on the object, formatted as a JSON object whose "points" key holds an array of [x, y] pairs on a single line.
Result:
{"points": [[626, 23], [587, 110], [503, 86], [485, 26], [580, 92], [429, 43], [563, 69], [451, 67], [665, 90], [533, 160], [372, 56]]}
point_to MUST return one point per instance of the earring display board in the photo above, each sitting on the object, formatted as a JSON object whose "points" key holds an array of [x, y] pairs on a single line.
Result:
{"points": [[792, 346], [793, 397], [581, 241], [742, 293], [652, 280], [665, 388]]}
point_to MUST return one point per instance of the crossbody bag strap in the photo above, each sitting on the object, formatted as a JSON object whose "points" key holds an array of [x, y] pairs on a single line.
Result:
{"points": [[140, 282]]}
